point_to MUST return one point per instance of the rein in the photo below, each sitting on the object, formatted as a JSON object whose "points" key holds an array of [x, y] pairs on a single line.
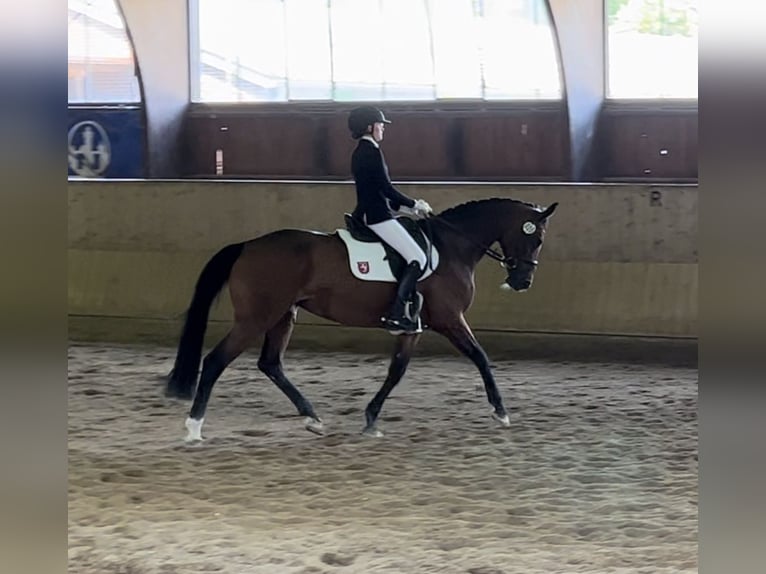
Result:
{"points": [[508, 263]]}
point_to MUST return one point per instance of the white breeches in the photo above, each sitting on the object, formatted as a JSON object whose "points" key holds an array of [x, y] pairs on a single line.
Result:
{"points": [[393, 233]]}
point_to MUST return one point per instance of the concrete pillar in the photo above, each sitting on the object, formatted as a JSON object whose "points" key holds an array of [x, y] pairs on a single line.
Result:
{"points": [[580, 29], [160, 35]]}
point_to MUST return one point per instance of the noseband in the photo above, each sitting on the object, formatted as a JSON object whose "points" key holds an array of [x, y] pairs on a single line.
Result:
{"points": [[511, 263]]}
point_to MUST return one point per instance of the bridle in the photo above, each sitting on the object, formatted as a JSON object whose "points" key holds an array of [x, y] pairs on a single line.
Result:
{"points": [[509, 263]]}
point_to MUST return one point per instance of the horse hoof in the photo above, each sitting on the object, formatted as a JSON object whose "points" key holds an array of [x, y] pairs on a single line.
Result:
{"points": [[373, 432], [503, 420], [314, 425]]}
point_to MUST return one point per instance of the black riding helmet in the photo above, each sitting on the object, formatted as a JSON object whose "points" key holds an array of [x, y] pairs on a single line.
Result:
{"points": [[364, 116]]}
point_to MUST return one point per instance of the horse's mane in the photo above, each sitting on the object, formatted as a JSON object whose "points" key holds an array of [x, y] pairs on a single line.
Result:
{"points": [[458, 211]]}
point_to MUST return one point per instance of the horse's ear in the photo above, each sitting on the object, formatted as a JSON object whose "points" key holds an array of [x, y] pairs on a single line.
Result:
{"points": [[548, 212]]}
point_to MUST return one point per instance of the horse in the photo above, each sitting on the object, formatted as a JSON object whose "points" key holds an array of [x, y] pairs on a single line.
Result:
{"points": [[272, 276]]}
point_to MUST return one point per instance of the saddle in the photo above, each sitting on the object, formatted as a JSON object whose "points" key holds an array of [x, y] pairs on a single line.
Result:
{"points": [[364, 234]]}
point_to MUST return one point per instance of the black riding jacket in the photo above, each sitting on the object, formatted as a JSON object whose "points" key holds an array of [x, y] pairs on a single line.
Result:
{"points": [[376, 197]]}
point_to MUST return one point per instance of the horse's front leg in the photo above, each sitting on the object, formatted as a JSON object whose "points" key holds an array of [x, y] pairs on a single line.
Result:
{"points": [[405, 344], [460, 335]]}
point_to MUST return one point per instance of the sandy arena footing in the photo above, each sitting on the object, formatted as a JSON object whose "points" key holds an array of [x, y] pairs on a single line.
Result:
{"points": [[597, 473]]}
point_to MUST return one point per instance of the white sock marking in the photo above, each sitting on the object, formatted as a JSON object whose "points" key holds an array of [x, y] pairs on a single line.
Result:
{"points": [[194, 427]]}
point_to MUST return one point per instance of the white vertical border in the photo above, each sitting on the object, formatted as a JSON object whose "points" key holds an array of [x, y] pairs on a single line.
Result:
{"points": [[605, 39], [429, 23], [286, 44], [332, 52], [192, 12]]}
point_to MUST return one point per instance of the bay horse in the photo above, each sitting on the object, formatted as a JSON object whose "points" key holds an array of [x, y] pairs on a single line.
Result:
{"points": [[273, 275]]}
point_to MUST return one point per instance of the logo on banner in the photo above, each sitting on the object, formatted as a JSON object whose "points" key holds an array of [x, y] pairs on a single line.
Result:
{"points": [[89, 149], [363, 266]]}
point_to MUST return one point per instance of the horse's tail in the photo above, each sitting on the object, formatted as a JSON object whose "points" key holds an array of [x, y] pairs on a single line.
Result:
{"points": [[215, 274]]}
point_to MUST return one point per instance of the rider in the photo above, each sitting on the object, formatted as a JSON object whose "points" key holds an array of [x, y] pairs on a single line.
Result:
{"points": [[377, 200]]}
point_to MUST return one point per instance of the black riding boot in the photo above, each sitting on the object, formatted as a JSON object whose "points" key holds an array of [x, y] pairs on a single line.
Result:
{"points": [[398, 320]]}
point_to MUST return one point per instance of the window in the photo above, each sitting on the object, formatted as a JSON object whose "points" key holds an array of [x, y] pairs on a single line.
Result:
{"points": [[518, 49], [456, 50], [242, 54], [101, 64], [652, 48], [357, 64], [356, 50], [309, 69], [408, 71]]}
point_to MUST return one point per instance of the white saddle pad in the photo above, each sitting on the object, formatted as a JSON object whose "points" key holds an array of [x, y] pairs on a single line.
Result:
{"points": [[367, 259]]}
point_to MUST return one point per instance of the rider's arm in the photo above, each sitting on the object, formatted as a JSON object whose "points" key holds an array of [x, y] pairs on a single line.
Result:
{"points": [[397, 197]]}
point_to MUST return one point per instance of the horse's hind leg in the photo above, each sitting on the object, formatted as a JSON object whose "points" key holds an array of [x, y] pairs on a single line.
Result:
{"points": [[229, 348], [405, 344], [270, 363]]}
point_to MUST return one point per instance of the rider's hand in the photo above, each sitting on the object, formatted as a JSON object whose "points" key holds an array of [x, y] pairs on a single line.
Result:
{"points": [[421, 207]]}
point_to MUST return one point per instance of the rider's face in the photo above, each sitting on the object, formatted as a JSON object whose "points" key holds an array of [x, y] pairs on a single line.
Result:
{"points": [[377, 131]]}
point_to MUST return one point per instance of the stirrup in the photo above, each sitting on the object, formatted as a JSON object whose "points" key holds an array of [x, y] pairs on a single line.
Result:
{"points": [[409, 323], [405, 327]]}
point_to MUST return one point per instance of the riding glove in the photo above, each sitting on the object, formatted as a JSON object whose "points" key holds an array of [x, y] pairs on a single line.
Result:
{"points": [[422, 208]]}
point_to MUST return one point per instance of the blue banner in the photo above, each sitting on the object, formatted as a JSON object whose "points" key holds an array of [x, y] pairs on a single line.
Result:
{"points": [[106, 142]]}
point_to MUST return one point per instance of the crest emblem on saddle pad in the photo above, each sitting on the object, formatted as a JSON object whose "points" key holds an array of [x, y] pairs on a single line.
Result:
{"points": [[368, 261]]}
